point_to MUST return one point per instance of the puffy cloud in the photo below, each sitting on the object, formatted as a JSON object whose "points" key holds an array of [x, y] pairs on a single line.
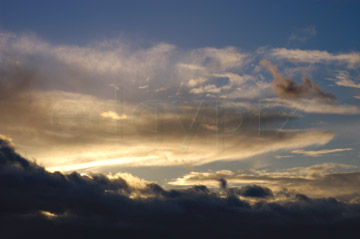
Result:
{"points": [[131, 180], [316, 181], [42, 203]]}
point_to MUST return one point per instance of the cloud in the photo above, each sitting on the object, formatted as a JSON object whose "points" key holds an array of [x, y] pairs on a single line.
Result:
{"points": [[304, 34], [72, 131], [281, 156], [223, 183], [343, 79], [210, 127], [313, 106], [316, 181], [231, 85], [15, 80], [59, 103], [214, 59], [319, 152], [287, 88], [113, 115], [252, 191], [351, 60], [82, 69], [7, 139], [73, 205], [132, 181], [143, 86], [188, 151], [65, 123]]}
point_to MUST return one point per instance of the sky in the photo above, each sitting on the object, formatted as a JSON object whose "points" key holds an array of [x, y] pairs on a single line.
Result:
{"points": [[158, 103]]}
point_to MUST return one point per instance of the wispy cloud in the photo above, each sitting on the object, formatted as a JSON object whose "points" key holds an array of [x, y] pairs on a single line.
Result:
{"points": [[344, 79], [286, 87], [304, 34], [351, 60], [171, 99], [314, 106], [319, 152]]}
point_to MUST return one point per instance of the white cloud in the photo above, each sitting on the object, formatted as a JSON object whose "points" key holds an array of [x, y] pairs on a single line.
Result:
{"points": [[132, 180], [206, 89], [352, 59], [343, 79], [237, 86]]}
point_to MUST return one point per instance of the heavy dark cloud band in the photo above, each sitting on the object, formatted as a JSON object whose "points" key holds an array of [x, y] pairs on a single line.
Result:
{"points": [[35, 203]]}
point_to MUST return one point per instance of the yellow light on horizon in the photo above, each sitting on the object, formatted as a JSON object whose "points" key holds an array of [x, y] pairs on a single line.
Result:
{"points": [[113, 115]]}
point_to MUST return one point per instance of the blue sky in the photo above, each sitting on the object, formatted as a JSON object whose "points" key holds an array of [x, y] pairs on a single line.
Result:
{"points": [[189, 24]]}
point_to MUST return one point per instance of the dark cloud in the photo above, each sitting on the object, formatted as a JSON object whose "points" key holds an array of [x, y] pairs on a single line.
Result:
{"points": [[319, 180], [223, 183], [254, 191], [80, 206], [288, 88]]}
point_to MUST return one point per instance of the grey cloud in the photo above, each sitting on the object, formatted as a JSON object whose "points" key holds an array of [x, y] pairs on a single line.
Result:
{"points": [[44, 204], [223, 183], [313, 106], [43, 123], [319, 152], [84, 78], [15, 80], [253, 191], [288, 88]]}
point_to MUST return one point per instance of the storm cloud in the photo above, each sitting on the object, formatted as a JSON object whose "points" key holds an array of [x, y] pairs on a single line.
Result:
{"points": [[60, 205]]}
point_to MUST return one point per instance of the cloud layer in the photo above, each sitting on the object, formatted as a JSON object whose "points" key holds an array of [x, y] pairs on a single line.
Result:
{"points": [[329, 179], [109, 103], [45, 204]]}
